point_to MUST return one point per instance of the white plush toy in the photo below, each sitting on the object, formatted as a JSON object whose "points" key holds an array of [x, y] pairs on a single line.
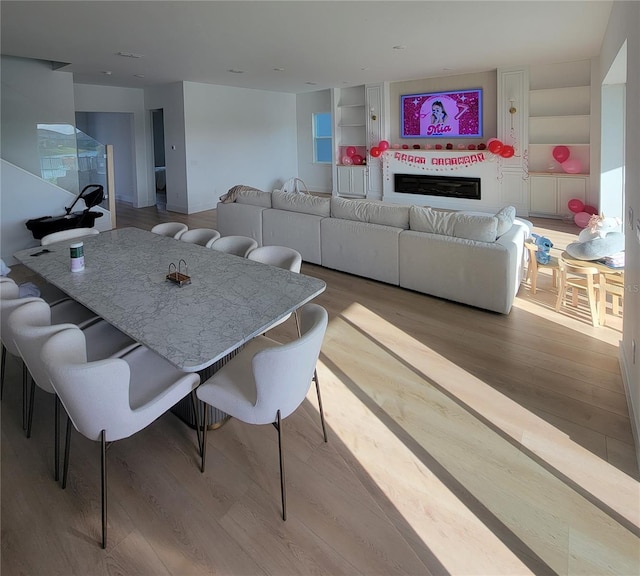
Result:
{"points": [[599, 226]]}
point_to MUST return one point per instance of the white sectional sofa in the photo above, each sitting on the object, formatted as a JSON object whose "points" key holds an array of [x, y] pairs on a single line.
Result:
{"points": [[468, 257]]}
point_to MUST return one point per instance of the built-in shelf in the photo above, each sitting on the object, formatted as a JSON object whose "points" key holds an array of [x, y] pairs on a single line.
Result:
{"points": [[560, 101], [559, 115]]}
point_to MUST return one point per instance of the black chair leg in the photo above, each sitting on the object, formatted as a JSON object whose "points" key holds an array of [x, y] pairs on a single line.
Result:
{"points": [[205, 415], [32, 401], [67, 447], [2, 367], [103, 443], [324, 429], [56, 436], [25, 397], [283, 490], [194, 406]]}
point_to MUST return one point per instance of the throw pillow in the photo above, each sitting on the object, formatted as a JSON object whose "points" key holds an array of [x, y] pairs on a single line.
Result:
{"points": [[425, 219], [505, 217], [597, 248]]}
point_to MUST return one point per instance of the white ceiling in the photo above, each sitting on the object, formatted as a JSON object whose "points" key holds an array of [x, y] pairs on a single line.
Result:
{"points": [[315, 44]]}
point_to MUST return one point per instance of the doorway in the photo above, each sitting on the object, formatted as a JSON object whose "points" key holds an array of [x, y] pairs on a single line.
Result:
{"points": [[159, 164]]}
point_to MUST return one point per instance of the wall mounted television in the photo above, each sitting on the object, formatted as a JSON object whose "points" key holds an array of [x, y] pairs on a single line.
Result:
{"points": [[453, 114]]}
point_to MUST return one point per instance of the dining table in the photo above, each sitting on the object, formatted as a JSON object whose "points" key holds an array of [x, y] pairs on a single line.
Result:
{"points": [[196, 324]]}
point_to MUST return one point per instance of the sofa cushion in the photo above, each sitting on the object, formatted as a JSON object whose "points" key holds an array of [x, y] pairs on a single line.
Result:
{"points": [[472, 227], [425, 219], [254, 197], [304, 203], [506, 217], [372, 212]]}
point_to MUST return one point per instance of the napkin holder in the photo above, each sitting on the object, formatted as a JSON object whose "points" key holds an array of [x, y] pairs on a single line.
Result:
{"points": [[176, 275]]}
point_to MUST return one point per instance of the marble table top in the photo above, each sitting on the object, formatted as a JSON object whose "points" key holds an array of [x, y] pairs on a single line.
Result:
{"points": [[229, 300]]}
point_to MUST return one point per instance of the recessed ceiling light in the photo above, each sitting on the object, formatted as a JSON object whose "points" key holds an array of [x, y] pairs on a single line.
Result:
{"points": [[279, 69], [234, 71], [139, 75], [311, 83], [364, 69], [107, 72], [400, 47], [129, 55]]}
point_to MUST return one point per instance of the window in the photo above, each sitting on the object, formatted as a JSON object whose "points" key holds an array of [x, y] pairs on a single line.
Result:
{"points": [[322, 141]]}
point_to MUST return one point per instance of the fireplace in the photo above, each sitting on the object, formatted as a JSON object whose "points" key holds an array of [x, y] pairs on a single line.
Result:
{"points": [[432, 185]]}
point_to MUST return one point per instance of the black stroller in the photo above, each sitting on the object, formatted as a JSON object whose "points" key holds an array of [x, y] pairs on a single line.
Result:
{"points": [[92, 195]]}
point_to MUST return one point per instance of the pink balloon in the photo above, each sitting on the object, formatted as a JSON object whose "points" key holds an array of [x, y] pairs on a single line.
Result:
{"points": [[575, 205], [347, 160], [590, 210], [357, 159], [582, 219], [351, 150], [396, 146], [383, 145], [572, 166], [375, 152], [561, 153]]}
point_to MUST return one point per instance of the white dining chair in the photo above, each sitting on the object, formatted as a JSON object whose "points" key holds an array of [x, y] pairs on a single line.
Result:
{"points": [[236, 245], [267, 381], [9, 301], [111, 399], [171, 229], [66, 310], [29, 326], [200, 236], [282, 257], [68, 235]]}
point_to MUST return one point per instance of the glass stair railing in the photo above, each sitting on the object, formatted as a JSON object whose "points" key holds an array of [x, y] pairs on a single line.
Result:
{"points": [[71, 159]]}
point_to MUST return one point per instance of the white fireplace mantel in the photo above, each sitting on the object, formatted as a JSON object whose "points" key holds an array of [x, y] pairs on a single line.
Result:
{"points": [[465, 163]]}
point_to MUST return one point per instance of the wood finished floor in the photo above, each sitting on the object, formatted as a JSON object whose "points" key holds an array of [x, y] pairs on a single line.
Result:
{"points": [[460, 442]]}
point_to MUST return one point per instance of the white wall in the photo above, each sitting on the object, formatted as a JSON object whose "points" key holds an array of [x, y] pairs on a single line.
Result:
{"points": [[317, 177], [115, 128], [32, 94], [90, 98], [236, 136], [612, 151], [624, 24]]}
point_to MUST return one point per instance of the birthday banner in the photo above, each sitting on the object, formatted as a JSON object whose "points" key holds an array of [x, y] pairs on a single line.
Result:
{"points": [[414, 160]]}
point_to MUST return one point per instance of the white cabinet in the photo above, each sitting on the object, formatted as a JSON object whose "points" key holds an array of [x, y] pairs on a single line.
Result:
{"points": [[550, 193], [352, 181]]}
